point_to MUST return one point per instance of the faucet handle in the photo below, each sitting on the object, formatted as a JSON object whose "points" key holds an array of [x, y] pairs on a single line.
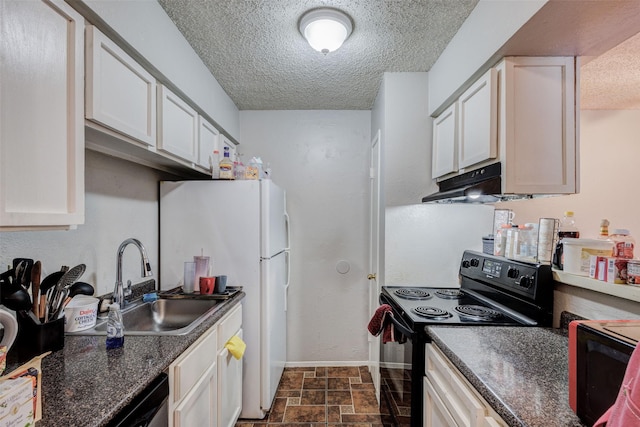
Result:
{"points": [[127, 289]]}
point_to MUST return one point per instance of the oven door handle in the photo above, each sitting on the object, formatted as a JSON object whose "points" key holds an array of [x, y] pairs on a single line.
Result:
{"points": [[404, 330]]}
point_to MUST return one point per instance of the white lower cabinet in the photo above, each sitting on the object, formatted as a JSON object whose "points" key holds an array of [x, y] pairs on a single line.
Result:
{"points": [[449, 399], [230, 386], [199, 407], [205, 381]]}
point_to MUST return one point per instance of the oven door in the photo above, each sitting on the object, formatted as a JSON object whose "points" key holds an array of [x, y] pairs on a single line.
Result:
{"points": [[400, 381]]}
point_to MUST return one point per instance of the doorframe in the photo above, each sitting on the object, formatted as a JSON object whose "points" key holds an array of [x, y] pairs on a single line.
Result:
{"points": [[376, 249]]}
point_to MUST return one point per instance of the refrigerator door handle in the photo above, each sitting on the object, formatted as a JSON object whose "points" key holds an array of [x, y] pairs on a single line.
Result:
{"points": [[287, 255], [287, 222]]}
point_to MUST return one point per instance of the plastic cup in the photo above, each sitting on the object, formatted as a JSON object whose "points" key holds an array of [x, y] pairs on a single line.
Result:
{"points": [[221, 284], [189, 277], [207, 285], [202, 269]]}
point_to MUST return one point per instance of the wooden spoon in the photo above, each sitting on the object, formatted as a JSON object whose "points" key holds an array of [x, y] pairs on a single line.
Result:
{"points": [[36, 271]]}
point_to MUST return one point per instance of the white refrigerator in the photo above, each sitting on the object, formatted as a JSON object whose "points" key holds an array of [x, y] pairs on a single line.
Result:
{"points": [[244, 227]]}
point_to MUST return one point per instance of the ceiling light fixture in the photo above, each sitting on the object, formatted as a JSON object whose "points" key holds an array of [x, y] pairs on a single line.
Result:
{"points": [[325, 29]]}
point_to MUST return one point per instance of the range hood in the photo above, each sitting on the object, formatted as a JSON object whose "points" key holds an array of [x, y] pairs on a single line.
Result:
{"points": [[483, 185]]}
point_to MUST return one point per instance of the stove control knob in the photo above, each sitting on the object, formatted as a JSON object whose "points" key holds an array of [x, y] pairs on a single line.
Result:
{"points": [[525, 281], [475, 262], [466, 263], [513, 273]]}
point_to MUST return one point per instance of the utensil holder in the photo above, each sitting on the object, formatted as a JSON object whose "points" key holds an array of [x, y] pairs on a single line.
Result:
{"points": [[36, 338]]}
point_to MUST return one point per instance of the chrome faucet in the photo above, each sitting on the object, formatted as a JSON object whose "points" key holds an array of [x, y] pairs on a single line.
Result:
{"points": [[119, 292]]}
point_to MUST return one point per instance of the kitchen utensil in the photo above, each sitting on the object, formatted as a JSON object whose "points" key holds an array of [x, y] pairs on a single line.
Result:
{"points": [[36, 272], [17, 301], [79, 288], [47, 283], [61, 290], [22, 267]]}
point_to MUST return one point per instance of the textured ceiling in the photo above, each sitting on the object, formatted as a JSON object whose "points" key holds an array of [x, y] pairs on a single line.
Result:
{"points": [[612, 80], [257, 54]]}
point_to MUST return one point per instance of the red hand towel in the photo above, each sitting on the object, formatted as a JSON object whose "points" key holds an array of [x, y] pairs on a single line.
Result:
{"points": [[625, 412], [379, 323]]}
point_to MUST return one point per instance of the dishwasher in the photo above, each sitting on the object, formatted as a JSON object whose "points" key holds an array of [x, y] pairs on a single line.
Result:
{"points": [[148, 409]]}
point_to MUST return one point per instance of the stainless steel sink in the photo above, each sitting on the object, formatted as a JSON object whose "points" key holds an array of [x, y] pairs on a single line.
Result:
{"points": [[161, 317]]}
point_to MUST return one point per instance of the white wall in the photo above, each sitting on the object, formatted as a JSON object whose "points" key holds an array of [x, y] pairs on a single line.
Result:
{"points": [[321, 158], [489, 26], [424, 243], [146, 27], [406, 138], [121, 202]]}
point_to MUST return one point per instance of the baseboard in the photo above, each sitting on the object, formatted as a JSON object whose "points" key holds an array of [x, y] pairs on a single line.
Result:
{"points": [[322, 364]]}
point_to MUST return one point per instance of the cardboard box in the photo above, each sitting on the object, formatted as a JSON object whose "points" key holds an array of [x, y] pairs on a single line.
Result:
{"points": [[598, 267], [617, 270], [16, 402]]}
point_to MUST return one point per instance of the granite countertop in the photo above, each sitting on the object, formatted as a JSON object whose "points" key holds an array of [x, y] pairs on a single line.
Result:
{"points": [[86, 385], [522, 372]]}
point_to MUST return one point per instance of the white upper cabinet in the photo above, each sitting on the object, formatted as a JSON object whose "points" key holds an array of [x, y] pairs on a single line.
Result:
{"points": [[177, 126], [121, 95], [207, 142], [41, 115], [445, 142], [521, 113], [478, 139], [537, 133]]}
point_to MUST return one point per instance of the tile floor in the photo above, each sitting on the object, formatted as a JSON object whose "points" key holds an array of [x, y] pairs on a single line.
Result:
{"points": [[323, 396]]}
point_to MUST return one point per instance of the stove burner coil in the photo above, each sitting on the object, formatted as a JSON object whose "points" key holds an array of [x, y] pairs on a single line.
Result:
{"points": [[433, 313], [449, 293], [477, 312], [412, 293]]}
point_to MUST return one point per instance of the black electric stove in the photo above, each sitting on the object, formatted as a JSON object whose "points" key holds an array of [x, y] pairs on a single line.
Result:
{"points": [[492, 291]]}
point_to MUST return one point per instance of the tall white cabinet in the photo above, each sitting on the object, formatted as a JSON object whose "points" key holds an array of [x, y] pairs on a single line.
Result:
{"points": [[521, 113], [42, 115]]}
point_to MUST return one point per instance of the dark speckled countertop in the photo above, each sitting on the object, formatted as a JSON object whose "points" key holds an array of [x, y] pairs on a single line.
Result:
{"points": [[522, 372], [86, 385]]}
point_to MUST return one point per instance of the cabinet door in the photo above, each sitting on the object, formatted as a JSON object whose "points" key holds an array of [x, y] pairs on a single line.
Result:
{"points": [[41, 115], [199, 407], [121, 95], [207, 142], [229, 387], [478, 122], [177, 126], [538, 125], [435, 412], [445, 142]]}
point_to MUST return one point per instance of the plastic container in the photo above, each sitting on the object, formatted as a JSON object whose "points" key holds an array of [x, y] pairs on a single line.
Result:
{"points": [[577, 254], [623, 243], [81, 313], [487, 244]]}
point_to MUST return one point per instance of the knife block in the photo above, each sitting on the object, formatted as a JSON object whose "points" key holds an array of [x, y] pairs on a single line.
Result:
{"points": [[36, 338]]}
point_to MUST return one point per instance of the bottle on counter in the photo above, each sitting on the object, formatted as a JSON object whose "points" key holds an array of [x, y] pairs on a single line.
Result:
{"points": [[115, 327], [567, 228], [239, 167], [215, 165], [623, 243], [226, 166], [604, 229]]}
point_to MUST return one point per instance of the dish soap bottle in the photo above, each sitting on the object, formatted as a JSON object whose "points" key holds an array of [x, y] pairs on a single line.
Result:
{"points": [[226, 166], [115, 328]]}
